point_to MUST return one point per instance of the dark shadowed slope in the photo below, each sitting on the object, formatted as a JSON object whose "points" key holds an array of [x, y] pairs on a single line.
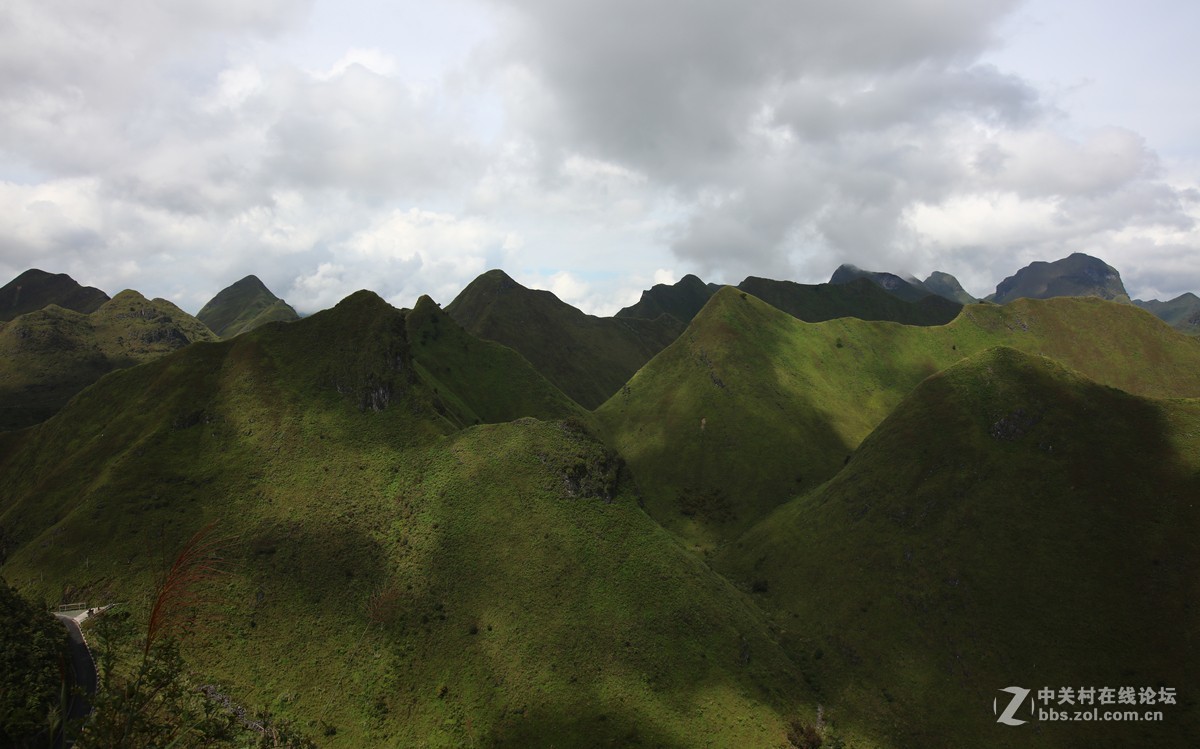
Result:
{"points": [[401, 581], [681, 300], [244, 306], [859, 297], [908, 289], [1076, 275], [587, 357], [35, 289], [1010, 523], [49, 355]]}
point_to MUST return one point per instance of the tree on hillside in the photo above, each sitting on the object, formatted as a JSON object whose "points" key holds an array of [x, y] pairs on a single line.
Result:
{"points": [[32, 657]]}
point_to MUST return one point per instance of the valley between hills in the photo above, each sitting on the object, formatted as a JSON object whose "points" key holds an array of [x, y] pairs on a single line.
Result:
{"points": [[767, 515]]}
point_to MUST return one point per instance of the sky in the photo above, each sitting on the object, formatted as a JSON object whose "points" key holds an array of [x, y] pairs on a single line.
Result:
{"points": [[593, 148]]}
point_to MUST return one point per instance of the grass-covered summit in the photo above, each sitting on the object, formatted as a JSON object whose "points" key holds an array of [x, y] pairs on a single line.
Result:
{"points": [[49, 355], [242, 306], [751, 406], [1009, 523], [587, 357]]}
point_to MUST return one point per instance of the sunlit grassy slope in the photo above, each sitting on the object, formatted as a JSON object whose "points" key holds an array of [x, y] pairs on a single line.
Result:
{"points": [[751, 406], [394, 581], [1010, 523], [48, 355]]}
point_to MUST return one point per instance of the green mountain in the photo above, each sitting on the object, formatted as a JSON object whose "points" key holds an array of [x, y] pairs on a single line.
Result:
{"points": [[751, 406], [1076, 275], [244, 306], [589, 358], [1181, 313], [910, 289], [948, 287], [859, 297], [35, 289], [1009, 523], [393, 580], [48, 356], [478, 381], [681, 300]]}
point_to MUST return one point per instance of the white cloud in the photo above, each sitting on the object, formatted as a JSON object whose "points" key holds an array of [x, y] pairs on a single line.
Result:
{"points": [[587, 146]]}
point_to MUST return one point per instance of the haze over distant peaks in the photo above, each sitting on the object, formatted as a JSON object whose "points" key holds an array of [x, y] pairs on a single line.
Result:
{"points": [[244, 306], [35, 289], [910, 289], [1076, 275]]}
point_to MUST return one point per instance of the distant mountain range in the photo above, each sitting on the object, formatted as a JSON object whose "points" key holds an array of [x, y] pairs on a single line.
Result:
{"points": [[589, 358], [507, 523]]}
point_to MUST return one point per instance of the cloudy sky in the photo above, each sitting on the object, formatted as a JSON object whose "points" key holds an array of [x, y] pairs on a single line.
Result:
{"points": [[593, 147]]}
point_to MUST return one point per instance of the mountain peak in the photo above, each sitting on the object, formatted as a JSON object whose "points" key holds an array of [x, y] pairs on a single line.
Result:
{"points": [[1077, 274], [35, 289], [243, 306], [910, 290], [681, 300], [948, 287]]}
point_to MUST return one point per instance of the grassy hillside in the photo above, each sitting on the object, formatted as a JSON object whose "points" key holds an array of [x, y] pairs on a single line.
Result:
{"points": [[860, 297], [479, 381], [35, 289], [587, 357], [244, 306], [394, 581], [751, 406], [1181, 313], [48, 356], [1010, 523]]}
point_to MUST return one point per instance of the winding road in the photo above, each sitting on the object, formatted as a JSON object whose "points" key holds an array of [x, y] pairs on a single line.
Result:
{"points": [[83, 666]]}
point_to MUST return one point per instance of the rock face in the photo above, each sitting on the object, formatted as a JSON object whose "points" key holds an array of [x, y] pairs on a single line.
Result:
{"points": [[948, 287], [35, 289], [244, 306], [681, 300], [1076, 275]]}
